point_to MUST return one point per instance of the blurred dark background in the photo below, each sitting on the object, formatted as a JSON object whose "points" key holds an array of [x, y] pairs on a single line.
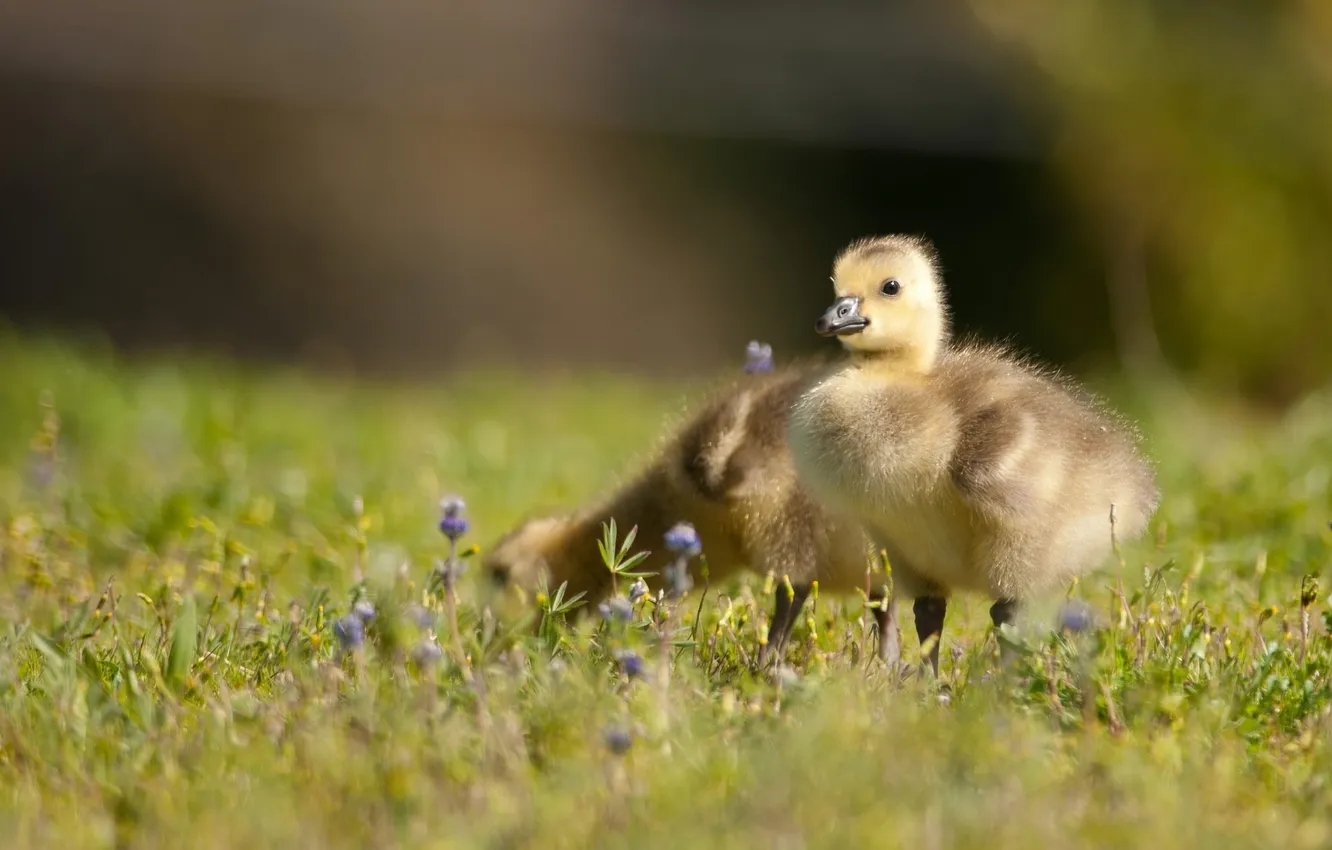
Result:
{"points": [[402, 186]]}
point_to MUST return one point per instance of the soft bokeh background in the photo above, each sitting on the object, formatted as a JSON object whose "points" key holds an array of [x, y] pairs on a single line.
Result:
{"points": [[404, 188], [410, 187]]}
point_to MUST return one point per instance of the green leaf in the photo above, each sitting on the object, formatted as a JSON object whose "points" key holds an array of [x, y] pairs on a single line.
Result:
{"points": [[49, 650], [184, 642], [628, 541], [573, 601], [628, 574], [558, 596], [631, 563], [606, 545]]}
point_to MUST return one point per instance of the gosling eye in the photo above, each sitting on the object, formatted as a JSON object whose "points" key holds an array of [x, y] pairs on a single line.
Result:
{"points": [[890, 287], [499, 575]]}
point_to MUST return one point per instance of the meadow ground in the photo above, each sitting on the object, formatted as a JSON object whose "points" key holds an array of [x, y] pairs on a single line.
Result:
{"points": [[179, 542]]}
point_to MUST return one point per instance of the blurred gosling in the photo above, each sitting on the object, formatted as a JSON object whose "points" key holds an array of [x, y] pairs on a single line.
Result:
{"points": [[727, 471]]}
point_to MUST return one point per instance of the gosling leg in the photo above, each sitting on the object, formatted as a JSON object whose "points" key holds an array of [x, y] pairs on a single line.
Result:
{"points": [[890, 641], [929, 611], [1001, 612], [783, 621]]}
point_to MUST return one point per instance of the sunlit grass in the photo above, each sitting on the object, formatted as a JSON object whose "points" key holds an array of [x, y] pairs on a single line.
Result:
{"points": [[178, 541]]}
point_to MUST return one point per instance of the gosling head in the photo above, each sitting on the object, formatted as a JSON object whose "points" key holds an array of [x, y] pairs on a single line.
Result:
{"points": [[889, 300], [520, 557]]}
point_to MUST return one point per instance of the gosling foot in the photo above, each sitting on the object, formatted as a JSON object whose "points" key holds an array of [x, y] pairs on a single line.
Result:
{"points": [[930, 611], [1005, 612], [784, 616], [889, 635]]}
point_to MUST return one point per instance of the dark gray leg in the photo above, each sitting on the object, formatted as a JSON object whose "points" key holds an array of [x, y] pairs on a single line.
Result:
{"points": [[1001, 612], [783, 621], [929, 611], [890, 640], [1004, 611]]}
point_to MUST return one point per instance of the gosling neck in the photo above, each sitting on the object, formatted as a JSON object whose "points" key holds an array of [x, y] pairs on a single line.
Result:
{"points": [[908, 358]]}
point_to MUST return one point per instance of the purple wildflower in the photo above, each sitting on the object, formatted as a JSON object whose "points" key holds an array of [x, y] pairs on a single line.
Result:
{"points": [[453, 524], [350, 632], [618, 740], [364, 610], [615, 609], [1074, 617], [426, 654], [758, 357], [683, 540], [631, 663], [420, 616]]}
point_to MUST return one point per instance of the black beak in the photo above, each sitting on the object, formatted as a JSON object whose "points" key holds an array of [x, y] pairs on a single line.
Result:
{"points": [[842, 318]]}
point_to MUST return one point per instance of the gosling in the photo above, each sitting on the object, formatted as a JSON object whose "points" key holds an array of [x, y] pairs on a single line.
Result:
{"points": [[727, 471], [974, 469]]}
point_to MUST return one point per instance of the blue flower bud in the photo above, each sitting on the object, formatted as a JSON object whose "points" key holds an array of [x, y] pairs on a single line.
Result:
{"points": [[1075, 617], [350, 632], [683, 539], [619, 740], [364, 609], [426, 654], [631, 664], [758, 357], [453, 524]]}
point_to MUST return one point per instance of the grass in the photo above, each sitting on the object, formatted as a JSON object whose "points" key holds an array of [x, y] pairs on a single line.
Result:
{"points": [[178, 540]]}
